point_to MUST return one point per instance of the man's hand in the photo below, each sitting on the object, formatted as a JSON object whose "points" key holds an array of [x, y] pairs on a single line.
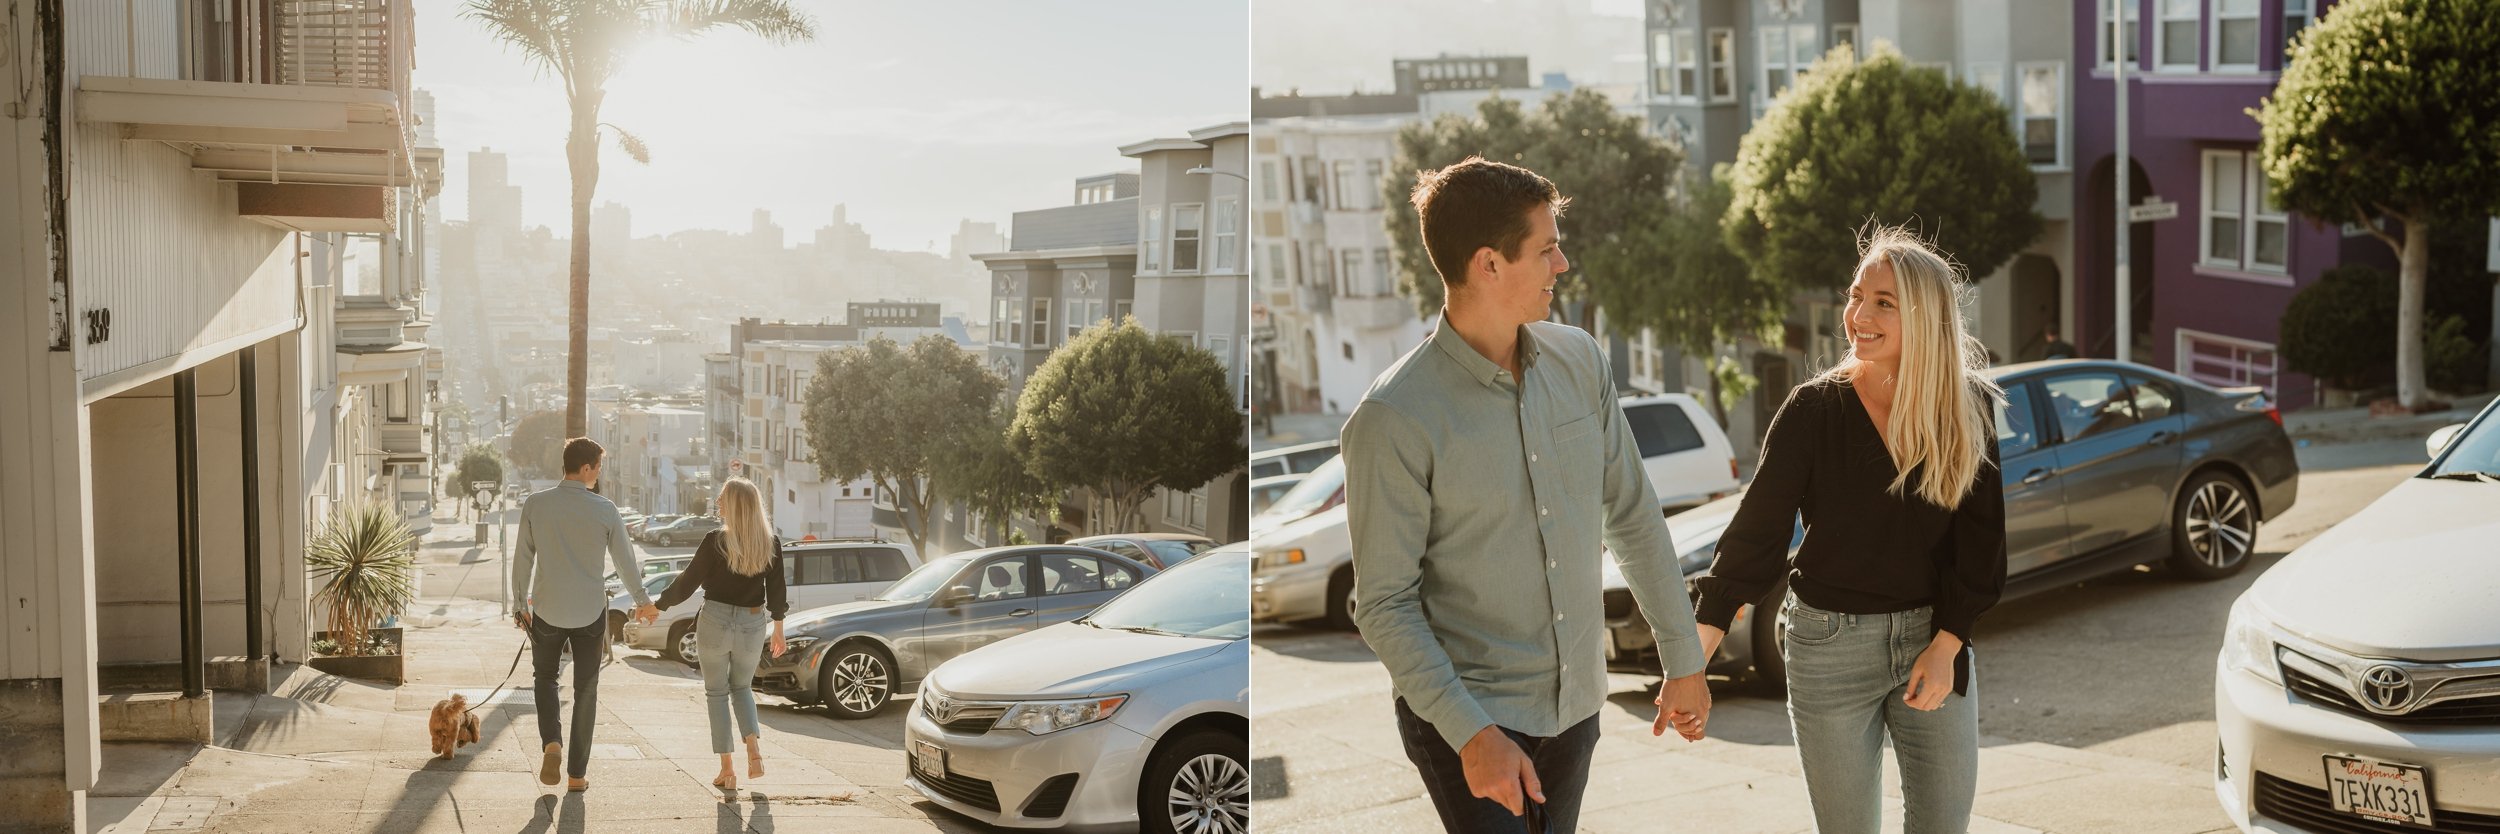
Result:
{"points": [[1685, 703], [647, 614], [521, 620], [1497, 768], [1931, 678]]}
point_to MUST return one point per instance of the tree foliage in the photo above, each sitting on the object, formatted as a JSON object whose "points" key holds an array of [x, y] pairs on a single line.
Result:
{"points": [[1881, 141], [1122, 410], [1696, 293], [538, 445], [478, 463], [1617, 176], [888, 412], [2335, 329], [2386, 109], [980, 470]]}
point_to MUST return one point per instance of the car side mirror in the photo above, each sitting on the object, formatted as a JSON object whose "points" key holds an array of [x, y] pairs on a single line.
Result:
{"points": [[2440, 439], [955, 596]]}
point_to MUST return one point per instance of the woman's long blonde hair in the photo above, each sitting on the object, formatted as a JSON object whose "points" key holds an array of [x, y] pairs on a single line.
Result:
{"points": [[746, 537], [1942, 402]]}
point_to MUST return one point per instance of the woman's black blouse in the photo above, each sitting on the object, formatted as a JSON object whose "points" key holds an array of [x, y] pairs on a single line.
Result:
{"points": [[709, 570], [1866, 550]]}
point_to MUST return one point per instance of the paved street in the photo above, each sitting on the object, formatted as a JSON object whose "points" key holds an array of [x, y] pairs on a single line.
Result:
{"points": [[331, 754], [2097, 713]]}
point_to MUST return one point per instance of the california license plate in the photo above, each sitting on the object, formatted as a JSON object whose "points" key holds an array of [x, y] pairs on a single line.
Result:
{"points": [[2377, 790], [929, 759]]}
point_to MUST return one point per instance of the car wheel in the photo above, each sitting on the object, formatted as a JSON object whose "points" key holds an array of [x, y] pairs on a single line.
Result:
{"points": [[1341, 600], [857, 681], [2213, 529], [1770, 668], [681, 643], [1198, 784]]}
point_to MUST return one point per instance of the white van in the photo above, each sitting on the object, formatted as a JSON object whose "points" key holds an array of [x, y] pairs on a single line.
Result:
{"points": [[1688, 458], [814, 574]]}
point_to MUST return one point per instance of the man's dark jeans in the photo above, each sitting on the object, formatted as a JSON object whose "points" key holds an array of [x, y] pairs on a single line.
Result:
{"points": [[547, 646], [1562, 769]]}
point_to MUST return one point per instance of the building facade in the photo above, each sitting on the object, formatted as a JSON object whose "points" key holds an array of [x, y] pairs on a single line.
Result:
{"points": [[1193, 283]]}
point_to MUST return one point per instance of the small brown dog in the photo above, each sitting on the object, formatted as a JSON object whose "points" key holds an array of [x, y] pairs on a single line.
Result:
{"points": [[451, 725]]}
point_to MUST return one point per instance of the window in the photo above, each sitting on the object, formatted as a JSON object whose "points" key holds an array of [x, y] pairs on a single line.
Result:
{"points": [[1276, 266], [1015, 322], [1662, 429], [1227, 235], [1786, 52], [1346, 189], [210, 26], [1222, 347], [2134, 33], [2018, 429], [2044, 114], [2296, 16], [2235, 35], [1722, 64], [1121, 548], [1154, 240], [998, 320], [976, 527], [1846, 34], [1314, 181], [1373, 173], [1041, 321], [1185, 231], [1075, 320], [2154, 399], [2175, 38], [1989, 77], [1120, 310], [1346, 349], [1000, 579], [1071, 573], [2086, 405], [1384, 276], [1678, 65], [2244, 229], [1350, 279], [2224, 361], [1270, 185]]}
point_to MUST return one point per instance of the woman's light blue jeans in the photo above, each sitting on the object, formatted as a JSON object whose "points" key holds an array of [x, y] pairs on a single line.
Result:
{"points": [[729, 642], [1846, 677]]}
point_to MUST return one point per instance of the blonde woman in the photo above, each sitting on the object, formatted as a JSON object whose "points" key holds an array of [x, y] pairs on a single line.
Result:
{"points": [[739, 569], [1891, 458]]}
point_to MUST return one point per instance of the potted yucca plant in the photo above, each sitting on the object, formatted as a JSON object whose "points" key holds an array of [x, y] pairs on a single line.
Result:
{"points": [[366, 559]]}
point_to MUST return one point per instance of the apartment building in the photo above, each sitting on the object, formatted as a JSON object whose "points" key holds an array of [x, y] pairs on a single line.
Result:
{"points": [[1193, 282]]}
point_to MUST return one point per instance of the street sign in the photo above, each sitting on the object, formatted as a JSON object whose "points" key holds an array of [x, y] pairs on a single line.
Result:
{"points": [[481, 485], [737, 466], [2152, 209], [485, 498]]}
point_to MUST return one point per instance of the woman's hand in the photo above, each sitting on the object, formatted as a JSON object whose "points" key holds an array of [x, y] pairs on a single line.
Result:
{"points": [[779, 645], [1931, 678]]}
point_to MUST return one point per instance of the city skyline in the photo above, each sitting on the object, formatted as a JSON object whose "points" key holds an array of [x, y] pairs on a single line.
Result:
{"points": [[972, 124]]}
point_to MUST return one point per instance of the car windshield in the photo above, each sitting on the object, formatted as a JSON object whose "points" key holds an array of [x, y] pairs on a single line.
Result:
{"points": [[1174, 552], [924, 582], [2474, 454], [1311, 494], [658, 583], [1205, 597]]}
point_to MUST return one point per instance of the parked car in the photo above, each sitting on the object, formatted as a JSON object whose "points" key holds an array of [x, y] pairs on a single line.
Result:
{"points": [[636, 528], [2358, 686], [1686, 454], [813, 574], [855, 657], [1160, 550], [1304, 570], [1265, 491], [1135, 717], [684, 532], [621, 604], [2105, 466], [1318, 490], [1291, 459]]}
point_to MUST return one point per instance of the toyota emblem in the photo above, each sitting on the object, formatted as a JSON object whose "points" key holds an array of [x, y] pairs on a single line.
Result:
{"points": [[941, 709], [2386, 688]]}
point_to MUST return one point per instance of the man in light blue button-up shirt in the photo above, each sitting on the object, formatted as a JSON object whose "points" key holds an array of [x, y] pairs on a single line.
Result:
{"points": [[559, 597], [1483, 472]]}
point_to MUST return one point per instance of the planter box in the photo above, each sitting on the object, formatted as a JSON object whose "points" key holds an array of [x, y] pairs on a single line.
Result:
{"points": [[388, 668]]}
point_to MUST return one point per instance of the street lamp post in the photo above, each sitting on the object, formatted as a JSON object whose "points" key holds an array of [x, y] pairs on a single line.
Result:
{"points": [[2118, 177]]}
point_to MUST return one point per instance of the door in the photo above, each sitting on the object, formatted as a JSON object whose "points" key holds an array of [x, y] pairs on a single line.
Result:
{"points": [[1001, 606], [2118, 469], [2035, 494], [806, 579], [1074, 584]]}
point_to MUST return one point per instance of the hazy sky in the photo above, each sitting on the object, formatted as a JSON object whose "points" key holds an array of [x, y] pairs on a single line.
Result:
{"points": [[1330, 46], [915, 114]]}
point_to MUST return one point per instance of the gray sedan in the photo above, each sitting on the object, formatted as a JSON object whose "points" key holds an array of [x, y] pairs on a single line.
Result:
{"points": [[2106, 466], [855, 657]]}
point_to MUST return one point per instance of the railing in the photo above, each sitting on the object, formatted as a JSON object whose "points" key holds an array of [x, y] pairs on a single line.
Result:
{"points": [[344, 43]]}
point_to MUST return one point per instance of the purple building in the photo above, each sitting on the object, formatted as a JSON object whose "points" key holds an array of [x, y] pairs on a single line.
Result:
{"points": [[2210, 284]]}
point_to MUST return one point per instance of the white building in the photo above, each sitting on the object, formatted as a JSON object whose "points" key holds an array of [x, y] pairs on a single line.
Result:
{"points": [[1329, 281], [1193, 281], [215, 272]]}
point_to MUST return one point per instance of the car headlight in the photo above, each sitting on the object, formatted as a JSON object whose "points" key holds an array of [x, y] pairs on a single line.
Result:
{"points": [[797, 645], [2247, 641], [1046, 717], [1272, 559]]}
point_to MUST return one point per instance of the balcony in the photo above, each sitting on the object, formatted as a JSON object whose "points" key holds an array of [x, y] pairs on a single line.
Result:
{"points": [[1370, 312], [402, 439], [1315, 300], [322, 147], [373, 346]]}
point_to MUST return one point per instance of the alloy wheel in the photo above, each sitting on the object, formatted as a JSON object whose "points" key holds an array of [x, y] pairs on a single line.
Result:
{"points": [[1210, 795], [860, 682], [689, 646], [2221, 524]]}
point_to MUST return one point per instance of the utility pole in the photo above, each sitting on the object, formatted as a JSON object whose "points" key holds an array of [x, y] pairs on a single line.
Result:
{"points": [[2119, 177]]}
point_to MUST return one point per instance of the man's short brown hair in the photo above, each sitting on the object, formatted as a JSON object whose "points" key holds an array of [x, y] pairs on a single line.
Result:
{"points": [[581, 452], [1475, 204]]}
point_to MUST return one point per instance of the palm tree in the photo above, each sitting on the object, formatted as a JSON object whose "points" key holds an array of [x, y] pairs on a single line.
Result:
{"points": [[584, 42]]}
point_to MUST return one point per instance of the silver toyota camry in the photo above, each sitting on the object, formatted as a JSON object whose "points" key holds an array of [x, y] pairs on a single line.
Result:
{"points": [[1135, 717]]}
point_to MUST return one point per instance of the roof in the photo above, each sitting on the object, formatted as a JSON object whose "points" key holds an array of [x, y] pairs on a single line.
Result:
{"points": [[1144, 537]]}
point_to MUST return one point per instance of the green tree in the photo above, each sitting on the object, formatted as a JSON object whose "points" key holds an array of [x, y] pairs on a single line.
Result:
{"points": [[2386, 109], [988, 477], [887, 412], [1617, 176], [538, 445], [2334, 328], [585, 43], [1878, 140], [1699, 296], [478, 463], [1121, 410]]}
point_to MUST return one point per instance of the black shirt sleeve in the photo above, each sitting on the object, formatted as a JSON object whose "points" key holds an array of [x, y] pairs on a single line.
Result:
{"points": [[775, 598], [1753, 552], [698, 569], [1973, 575]]}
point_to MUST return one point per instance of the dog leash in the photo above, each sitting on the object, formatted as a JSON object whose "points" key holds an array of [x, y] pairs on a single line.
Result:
{"points": [[507, 676]]}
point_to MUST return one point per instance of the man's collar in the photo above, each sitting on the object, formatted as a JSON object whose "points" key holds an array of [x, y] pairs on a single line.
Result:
{"points": [[1483, 370], [573, 483]]}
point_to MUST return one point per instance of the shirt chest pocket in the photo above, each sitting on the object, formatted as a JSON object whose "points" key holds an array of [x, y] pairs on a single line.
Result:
{"points": [[1580, 455]]}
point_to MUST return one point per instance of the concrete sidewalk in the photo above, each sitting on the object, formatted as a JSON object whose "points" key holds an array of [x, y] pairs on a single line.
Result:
{"points": [[331, 755]]}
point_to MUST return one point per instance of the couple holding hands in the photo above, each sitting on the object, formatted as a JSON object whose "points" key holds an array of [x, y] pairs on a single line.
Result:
{"points": [[1487, 467]]}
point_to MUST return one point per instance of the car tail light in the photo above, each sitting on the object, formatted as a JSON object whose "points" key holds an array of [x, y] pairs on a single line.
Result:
{"points": [[2275, 414], [1731, 469]]}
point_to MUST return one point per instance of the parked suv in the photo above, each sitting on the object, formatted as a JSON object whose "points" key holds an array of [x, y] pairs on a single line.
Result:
{"points": [[814, 574], [1291, 459], [1687, 456]]}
